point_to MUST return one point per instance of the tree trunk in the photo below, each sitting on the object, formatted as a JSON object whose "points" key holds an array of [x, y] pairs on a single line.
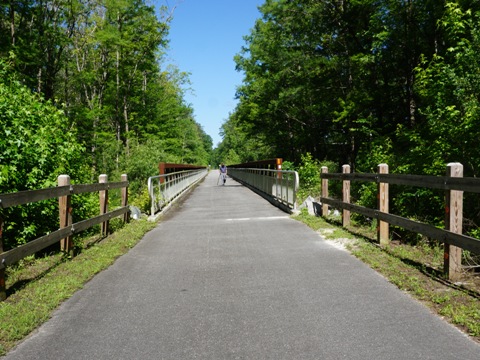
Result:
{"points": [[125, 118], [12, 23]]}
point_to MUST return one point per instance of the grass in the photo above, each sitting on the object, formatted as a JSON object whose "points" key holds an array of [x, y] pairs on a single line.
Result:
{"points": [[416, 270], [36, 287]]}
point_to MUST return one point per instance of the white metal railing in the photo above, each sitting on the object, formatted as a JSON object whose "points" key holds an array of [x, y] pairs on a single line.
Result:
{"points": [[280, 185], [164, 189]]}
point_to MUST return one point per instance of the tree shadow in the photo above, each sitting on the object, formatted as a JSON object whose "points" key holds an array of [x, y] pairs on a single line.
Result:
{"points": [[26, 280], [32, 272]]}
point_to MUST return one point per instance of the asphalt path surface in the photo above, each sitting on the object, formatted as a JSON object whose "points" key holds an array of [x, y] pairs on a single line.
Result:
{"points": [[228, 276]]}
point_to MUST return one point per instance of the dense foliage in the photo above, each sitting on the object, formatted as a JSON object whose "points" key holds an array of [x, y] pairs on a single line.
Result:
{"points": [[364, 82], [36, 146], [86, 92], [102, 62]]}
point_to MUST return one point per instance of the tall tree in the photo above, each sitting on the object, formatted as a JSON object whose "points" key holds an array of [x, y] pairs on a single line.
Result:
{"points": [[449, 85], [38, 33], [330, 77]]}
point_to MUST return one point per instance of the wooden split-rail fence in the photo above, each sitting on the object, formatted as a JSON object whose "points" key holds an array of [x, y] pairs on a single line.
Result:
{"points": [[454, 185], [67, 229]]}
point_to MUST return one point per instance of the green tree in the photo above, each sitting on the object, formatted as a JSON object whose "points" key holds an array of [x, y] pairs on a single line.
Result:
{"points": [[38, 33], [240, 145], [449, 85], [329, 77], [111, 79]]}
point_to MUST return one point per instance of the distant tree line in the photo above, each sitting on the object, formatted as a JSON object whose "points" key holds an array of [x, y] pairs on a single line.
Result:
{"points": [[363, 82]]}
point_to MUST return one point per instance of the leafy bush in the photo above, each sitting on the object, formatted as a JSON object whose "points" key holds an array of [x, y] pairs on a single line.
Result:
{"points": [[36, 146], [142, 201], [141, 163], [309, 173]]}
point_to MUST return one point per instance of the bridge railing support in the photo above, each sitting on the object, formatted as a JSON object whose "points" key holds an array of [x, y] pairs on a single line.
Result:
{"points": [[279, 186], [166, 188]]}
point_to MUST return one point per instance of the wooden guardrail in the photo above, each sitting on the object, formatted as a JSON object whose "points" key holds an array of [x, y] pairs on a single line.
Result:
{"points": [[454, 185], [63, 192]]}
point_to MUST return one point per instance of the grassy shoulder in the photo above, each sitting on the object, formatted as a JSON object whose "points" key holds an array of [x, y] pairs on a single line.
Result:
{"points": [[414, 269], [37, 287]]}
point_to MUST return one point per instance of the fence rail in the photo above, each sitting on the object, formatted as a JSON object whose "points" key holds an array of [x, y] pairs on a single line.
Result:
{"points": [[30, 196], [453, 184], [67, 229], [280, 186], [12, 256], [433, 182], [166, 188]]}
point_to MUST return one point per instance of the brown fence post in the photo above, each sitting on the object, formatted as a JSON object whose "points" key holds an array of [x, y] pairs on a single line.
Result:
{"points": [[65, 214], [453, 222], [103, 204], [346, 196], [324, 191], [383, 202], [3, 286], [126, 216]]}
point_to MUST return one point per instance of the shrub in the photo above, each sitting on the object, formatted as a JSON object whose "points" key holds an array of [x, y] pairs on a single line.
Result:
{"points": [[36, 146]]}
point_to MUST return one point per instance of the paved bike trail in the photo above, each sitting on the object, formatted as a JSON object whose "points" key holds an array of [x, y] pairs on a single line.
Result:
{"points": [[229, 276]]}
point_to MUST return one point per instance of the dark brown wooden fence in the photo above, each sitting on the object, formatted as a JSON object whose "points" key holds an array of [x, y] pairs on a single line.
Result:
{"points": [[67, 229], [454, 185]]}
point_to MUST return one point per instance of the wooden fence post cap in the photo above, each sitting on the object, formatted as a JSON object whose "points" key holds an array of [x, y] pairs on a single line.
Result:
{"points": [[63, 180], [456, 165], [383, 168], [455, 169]]}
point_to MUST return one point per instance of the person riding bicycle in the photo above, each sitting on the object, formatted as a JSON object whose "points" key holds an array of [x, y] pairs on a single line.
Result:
{"points": [[223, 173]]}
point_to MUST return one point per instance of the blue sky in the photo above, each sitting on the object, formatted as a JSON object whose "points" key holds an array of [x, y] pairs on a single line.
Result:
{"points": [[204, 37]]}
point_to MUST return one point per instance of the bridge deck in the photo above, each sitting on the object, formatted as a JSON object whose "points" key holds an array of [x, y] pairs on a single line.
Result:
{"points": [[228, 276]]}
